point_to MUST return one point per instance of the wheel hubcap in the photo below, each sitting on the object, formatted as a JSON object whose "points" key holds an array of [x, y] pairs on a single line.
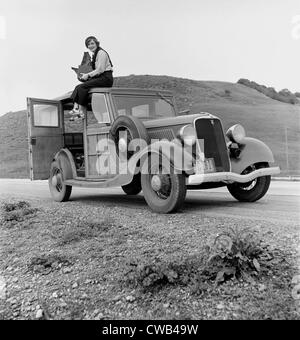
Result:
{"points": [[56, 180], [156, 183], [162, 185]]}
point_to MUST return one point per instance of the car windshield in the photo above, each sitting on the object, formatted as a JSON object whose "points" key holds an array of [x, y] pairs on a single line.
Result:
{"points": [[145, 107]]}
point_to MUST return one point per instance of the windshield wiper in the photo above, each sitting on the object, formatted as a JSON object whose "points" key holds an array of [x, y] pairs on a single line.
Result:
{"points": [[165, 99]]}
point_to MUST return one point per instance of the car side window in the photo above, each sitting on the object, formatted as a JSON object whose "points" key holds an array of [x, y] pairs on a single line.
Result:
{"points": [[100, 108], [144, 107], [45, 115]]}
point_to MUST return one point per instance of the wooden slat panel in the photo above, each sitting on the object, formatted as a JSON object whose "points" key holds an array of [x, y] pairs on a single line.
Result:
{"points": [[92, 165], [92, 142]]}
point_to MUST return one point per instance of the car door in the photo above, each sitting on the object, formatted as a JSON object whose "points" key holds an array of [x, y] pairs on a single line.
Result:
{"points": [[45, 132]]}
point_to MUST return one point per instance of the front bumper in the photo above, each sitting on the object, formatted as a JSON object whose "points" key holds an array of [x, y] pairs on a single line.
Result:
{"points": [[231, 177]]}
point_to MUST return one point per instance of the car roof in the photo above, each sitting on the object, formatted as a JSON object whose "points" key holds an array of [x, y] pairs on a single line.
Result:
{"points": [[121, 91]]}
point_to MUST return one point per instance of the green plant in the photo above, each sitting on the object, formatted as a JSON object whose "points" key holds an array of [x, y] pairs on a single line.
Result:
{"points": [[45, 263], [236, 253], [16, 212], [84, 230], [8, 207], [156, 273], [284, 95]]}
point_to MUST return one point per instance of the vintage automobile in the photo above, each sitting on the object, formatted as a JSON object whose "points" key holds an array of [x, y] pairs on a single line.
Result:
{"points": [[70, 159]]}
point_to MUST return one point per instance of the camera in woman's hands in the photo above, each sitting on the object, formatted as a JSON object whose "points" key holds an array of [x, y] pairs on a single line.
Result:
{"points": [[85, 67]]}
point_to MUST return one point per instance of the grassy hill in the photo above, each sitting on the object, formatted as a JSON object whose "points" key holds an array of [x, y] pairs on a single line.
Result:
{"points": [[13, 145], [263, 118]]}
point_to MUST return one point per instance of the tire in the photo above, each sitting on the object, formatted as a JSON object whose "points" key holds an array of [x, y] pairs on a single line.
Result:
{"points": [[254, 190], [133, 188], [136, 130], [59, 191], [133, 126], [170, 197]]}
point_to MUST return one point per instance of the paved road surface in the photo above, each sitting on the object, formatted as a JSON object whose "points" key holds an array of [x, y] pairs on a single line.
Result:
{"points": [[281, 203]]}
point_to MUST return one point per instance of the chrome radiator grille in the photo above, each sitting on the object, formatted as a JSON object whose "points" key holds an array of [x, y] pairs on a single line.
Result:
{"points": [[211, 132], [161, 134]]}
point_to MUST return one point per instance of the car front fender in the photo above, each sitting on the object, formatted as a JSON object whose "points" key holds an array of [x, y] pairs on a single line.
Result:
{"points": [[252, 151], [181, 160]]}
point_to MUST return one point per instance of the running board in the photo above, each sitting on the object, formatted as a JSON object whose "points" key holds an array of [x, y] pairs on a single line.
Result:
{"points": [[117, 181], [231, 177]]}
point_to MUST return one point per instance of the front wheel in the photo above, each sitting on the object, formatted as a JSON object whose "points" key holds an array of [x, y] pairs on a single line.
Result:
{"points": [[254, 190], [59, 191], [163, 189]]}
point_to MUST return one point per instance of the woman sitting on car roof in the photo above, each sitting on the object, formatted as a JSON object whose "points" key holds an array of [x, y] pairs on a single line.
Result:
{"points": [[100, 76]]}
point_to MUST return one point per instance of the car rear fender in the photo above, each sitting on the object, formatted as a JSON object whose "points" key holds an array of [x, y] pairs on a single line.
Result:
{"points": [[252, 151], [66, 163]]}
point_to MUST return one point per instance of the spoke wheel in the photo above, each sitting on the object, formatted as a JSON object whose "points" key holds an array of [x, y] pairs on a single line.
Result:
{"points": [[163, 189], [59, 191], [161, 183]]}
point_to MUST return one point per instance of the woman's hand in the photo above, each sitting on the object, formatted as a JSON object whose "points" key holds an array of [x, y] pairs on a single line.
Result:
{"points": [[84, 76]]}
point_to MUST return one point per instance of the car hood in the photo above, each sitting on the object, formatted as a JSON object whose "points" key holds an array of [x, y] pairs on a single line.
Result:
{"points": [[179, 120]]}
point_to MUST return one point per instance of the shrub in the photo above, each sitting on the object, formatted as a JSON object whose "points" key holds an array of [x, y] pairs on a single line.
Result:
{"points": [[284, 95], [271, 92], [16, 212], [297, 94], [236, 253], [245, 82], [46, 263], [156, 273], [8, 207], [84, 230]]}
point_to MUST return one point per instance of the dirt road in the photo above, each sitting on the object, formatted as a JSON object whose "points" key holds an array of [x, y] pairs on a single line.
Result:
{"points": [[282, 202]]}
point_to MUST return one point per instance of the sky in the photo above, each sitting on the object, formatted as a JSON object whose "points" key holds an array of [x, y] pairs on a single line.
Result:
{"points": [[198, 39]]}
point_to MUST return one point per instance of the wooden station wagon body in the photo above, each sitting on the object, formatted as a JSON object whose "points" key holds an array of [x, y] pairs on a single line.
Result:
{"points": [[71, 158]]}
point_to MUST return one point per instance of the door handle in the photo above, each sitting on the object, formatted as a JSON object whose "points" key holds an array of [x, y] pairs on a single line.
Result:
{"points": [[33, 140]]}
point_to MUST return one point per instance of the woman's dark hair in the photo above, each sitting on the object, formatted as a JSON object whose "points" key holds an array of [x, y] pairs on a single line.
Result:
{"points": [[95, 57], [88, 39]]}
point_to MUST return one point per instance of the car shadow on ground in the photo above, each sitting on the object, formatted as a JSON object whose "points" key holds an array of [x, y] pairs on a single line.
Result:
{"points": [[191, 204], [208, 203], [111, 199]]}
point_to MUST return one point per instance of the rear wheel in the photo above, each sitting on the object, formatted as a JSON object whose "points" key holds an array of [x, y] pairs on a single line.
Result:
{"points": [[59, 191], [254, 190], [163, 189]]}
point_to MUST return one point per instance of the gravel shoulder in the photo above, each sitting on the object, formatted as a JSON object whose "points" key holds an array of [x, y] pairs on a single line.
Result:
{"points": [[70, 261]]}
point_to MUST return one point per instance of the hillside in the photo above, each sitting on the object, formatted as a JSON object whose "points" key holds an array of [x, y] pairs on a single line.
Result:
{"points": [[263, 118], [13, 145]]}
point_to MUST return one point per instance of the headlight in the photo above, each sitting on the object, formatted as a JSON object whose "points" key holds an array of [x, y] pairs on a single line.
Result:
{"points": [[188, 135], [236, 133]]}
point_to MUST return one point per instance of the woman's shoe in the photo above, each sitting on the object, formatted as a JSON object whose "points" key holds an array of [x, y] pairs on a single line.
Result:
{"points": [[74, 112], [75, 115]]}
